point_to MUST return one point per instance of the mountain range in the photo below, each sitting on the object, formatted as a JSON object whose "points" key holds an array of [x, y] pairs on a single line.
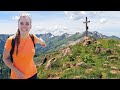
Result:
{"points": [[56, 42]]}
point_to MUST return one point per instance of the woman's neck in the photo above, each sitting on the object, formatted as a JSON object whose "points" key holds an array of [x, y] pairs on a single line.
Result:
{"points": [[24, 36]]}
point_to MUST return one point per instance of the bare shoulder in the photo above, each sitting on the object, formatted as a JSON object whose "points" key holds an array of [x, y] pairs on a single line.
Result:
{"points": [[10, 37]]}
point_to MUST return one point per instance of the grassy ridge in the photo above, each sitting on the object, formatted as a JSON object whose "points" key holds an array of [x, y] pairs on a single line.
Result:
{"points": [[84, 63]]}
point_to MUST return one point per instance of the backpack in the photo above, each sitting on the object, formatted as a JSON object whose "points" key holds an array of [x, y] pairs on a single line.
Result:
{"points": [[13, 45]]}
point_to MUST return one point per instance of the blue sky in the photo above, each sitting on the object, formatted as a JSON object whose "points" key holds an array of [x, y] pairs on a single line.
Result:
{"points": [[59, 22]]}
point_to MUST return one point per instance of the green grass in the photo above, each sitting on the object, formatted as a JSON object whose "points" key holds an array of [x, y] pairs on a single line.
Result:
{"points": [[95, 66]]}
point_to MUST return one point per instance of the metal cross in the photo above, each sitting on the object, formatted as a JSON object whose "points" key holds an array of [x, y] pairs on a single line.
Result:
{"points": [[86, 26]]}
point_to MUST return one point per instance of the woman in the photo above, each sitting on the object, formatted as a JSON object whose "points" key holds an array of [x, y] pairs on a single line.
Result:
{"points": [[23, 66]]}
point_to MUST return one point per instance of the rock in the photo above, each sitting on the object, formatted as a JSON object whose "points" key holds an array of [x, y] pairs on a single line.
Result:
{"points": [[79, 64], [68, 65], [97, 50], [114, 68], [112, 57], [65, 51], [118, 45], [51, 76], [48, 65], [38, 65], [55, 78], [113, 72], [76, 77], [103, 50], [74, 64], [87, 40], [108, 51]]}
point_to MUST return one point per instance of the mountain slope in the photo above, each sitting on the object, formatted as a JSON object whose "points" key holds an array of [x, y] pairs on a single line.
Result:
{"points": [[95, 60]]}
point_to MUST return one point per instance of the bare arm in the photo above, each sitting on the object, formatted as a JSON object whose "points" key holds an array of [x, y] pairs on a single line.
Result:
{"points": [[6, 54], [41, 41]]}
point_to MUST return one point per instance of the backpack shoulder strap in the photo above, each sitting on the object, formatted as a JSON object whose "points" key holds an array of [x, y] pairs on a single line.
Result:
{"points": [[12, 49], [32, 37]]}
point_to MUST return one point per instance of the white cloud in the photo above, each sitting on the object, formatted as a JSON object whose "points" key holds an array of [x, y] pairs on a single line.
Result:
{"points": [[77, 15], [21, 13], [56, 29], [97, 16], [103, 20], [24, 13], [74, 15], [15, 17], [82, 12], [8, 28], [38, 27]]}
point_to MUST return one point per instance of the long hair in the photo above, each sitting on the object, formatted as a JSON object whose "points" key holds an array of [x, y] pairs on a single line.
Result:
{"points": [[17, 40], [17, 37]]}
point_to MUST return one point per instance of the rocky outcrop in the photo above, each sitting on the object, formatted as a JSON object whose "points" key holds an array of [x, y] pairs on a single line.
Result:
{"points": [[88, 40], [49, 63]]}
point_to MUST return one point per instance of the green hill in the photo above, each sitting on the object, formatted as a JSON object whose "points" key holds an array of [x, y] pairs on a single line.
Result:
{"points": [[85, 60]]}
